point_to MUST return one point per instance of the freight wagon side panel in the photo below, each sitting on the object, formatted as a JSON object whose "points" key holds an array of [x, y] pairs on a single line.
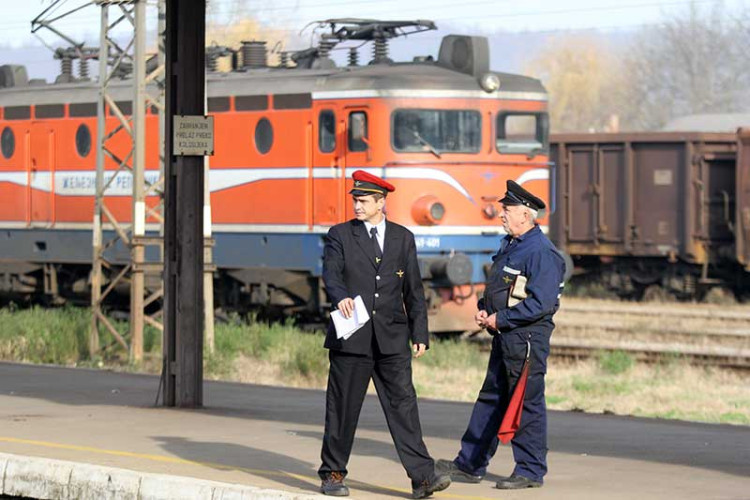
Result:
{"points": [[742, 209], [658, 217]]}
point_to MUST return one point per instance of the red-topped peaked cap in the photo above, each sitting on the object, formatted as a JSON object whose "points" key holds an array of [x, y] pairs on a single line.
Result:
{"points": [[365, 184]]}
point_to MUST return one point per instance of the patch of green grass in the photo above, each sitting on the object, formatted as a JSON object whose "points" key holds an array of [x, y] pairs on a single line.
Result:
{"points": [[307, 357], [602, 386], [553, 400], [454, 353], [615, 362], [734, 418], [39, 335]]}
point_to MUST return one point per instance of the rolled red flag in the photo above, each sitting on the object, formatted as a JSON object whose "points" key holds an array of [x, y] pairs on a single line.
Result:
{"points": [[512, 418]]}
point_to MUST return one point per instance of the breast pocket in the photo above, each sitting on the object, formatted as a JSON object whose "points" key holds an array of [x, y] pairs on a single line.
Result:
{"points": [[509, 273]]}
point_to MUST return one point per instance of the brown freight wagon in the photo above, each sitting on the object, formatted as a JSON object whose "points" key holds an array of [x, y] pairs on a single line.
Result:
{"points": [[664, 210]]}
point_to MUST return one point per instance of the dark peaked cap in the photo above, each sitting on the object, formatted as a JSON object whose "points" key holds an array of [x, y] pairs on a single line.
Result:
{"points": [[365, 184], [516, 195]]}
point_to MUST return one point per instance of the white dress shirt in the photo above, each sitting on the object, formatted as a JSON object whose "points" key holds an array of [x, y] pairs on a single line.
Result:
{"points": [[381, 231]]}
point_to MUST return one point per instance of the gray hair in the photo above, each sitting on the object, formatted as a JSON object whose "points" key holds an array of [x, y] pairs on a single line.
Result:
{"points": [[533, 213]]}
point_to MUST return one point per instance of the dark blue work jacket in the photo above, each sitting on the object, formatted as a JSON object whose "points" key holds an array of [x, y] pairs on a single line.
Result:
{"points": [[534, 257]]}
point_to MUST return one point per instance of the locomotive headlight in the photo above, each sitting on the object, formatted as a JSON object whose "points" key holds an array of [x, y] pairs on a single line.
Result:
{"points": [[437, 210], [489, 82], [428, 211]]}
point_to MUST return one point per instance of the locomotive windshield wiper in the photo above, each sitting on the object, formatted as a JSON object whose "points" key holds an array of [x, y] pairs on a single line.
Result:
{"points": [[424, 142]]}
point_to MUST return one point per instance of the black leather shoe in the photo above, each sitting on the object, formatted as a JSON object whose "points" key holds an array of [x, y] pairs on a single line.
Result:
{"points": [[449, 467], [333, 485], [515, 482], [427, 487]]}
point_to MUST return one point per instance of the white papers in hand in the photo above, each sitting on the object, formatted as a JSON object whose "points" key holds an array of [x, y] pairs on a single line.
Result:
{"points": [[345, 327]]}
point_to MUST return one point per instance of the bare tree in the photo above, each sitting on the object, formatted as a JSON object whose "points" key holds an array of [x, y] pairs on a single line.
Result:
{"points": [[692, 63], [231, 23], [580, 73]]}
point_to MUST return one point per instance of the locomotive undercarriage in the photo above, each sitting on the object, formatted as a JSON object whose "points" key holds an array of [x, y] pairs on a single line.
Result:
{"points": [[267, 294], [655, 279], [47, 284]]}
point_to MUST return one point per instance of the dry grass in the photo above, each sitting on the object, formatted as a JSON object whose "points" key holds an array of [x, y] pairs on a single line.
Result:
{"points": [[282, 355], [671, 390]]}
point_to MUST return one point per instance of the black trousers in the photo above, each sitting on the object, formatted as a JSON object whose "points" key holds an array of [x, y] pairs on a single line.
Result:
{"points": [[348, 379]]}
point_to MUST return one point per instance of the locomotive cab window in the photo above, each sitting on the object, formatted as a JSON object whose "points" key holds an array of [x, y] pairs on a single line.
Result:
{"points": [[327, 131], [524, 133], [436, 130], [8, 142], [263, 136], [358, 131], [83, 140]]}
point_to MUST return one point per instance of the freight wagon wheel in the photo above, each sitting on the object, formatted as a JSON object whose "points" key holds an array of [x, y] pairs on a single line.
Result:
{"points": [[719, 295], [657, 293]]}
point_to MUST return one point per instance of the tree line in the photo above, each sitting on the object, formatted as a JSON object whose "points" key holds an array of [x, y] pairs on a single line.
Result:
{"points": [[695, 62]]}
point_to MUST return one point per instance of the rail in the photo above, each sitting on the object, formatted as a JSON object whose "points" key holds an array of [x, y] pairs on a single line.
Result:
{"points": [[699, 334], [639, 310]]}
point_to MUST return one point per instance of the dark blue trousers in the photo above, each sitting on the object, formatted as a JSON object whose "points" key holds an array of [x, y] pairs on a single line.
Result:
{"points": [[479, 443]]}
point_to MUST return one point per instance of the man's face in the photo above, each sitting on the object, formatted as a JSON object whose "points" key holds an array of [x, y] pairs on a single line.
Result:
{"points": [[367, 208], [514, 218]]}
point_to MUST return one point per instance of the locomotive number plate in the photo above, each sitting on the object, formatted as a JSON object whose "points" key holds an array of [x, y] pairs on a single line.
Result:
{"points": [[193, 135]]}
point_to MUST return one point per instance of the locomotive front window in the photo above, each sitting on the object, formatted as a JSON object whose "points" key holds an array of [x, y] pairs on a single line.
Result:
{"points": [[436, 130], [524, 133]]}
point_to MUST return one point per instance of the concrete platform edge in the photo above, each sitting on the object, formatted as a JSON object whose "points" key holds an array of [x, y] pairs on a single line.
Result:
{"points": [[45, 478]]}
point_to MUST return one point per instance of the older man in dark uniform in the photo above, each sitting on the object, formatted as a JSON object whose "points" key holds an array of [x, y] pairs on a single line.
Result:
{"points": [[377, 260], [522, 295]]}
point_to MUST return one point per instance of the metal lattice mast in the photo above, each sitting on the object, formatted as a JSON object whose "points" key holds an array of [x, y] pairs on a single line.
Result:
{"points": [[116, 61]]}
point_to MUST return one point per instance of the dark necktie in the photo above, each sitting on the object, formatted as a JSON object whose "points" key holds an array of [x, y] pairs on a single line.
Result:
{"points": [[378, 251]]}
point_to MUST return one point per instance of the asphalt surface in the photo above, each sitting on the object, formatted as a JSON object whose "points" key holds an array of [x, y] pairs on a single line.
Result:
{"points": [[59, 412]]}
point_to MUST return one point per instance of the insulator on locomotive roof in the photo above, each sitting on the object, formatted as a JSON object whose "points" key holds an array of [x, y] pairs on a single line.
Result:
{"points": [[254, 54], [213, 53], [212, 62], [283, 59], [380, 52], [66, 70], [353, 56], [322, 59], [83, 69]]}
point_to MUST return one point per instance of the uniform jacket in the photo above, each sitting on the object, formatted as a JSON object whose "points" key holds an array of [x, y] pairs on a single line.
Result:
{"points": [[392, 290], [533, 256]]}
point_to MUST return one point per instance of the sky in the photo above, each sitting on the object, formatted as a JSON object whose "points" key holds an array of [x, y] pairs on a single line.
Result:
{"points": [[466, 17]]}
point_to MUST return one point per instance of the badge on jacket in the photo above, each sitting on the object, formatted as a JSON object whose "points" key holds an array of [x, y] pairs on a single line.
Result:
{"points": [[400, 273]]}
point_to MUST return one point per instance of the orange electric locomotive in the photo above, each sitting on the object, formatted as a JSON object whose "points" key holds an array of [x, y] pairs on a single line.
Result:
{"points": [[447, 132]]}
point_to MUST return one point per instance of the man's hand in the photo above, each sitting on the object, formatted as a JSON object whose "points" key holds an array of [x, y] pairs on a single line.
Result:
{"points": [[480, 316], [490, 322], [419, 349], [346, 306]]}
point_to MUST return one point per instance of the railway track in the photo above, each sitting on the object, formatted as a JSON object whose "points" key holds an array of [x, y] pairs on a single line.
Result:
{"points": [[699, 334], [688, 312]]}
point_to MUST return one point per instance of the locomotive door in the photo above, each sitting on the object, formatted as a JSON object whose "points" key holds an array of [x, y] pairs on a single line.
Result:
{"points": [[40, 174], [328, 163]]}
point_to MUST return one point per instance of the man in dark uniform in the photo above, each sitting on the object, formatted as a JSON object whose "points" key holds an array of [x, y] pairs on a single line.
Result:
{"points": [[522, 295], [377, 260]]}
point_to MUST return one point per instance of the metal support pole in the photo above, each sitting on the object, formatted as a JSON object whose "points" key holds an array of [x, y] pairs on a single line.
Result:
{"points": [[184, 309], [96, 272], [208, 273], [138, 252]]}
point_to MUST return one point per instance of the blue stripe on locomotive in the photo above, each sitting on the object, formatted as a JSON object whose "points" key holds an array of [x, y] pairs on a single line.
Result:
{"points": [[294, 251]]}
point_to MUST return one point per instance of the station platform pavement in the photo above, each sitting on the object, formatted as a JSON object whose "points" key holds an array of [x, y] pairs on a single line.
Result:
{"points": [[72, 433]]}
